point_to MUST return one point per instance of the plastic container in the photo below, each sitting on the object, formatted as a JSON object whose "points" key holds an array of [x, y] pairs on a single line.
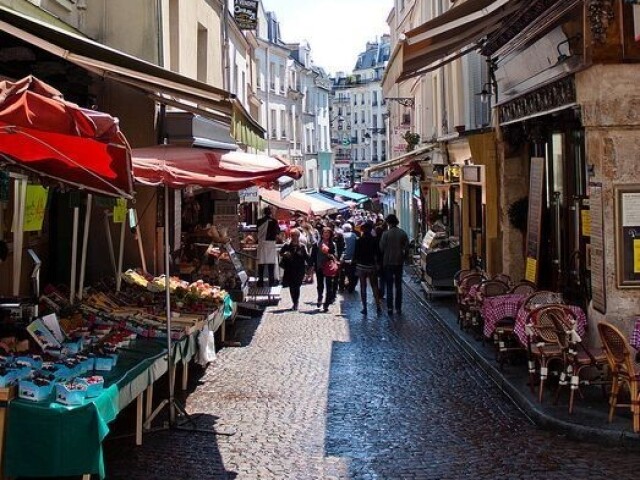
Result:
{"points": [[95, 385], [35, 390], [69, 393]]}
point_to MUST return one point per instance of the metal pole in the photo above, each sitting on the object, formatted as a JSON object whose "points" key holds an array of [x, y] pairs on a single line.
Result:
{"points": [[74, 252], [172, 410], [123, 227], [143, 260], [20, 199], [85, 241], [107, 232]]}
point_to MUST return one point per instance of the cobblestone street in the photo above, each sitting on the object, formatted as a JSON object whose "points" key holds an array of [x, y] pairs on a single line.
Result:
{"points": [[316, 395]]}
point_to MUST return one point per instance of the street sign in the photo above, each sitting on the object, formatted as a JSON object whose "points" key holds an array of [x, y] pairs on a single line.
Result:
{"points": [[246, 14]]}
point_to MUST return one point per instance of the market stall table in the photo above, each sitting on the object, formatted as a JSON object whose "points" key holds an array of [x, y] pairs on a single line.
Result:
{"points": [[520, 330], [499, 307], [47, 438]]}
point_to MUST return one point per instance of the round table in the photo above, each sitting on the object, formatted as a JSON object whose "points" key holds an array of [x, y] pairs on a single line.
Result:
{"points": [[499, 307]]}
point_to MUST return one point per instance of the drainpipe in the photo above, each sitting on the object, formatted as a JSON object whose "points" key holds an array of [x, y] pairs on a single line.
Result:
{"points": [[268, 109], [159, 19]]}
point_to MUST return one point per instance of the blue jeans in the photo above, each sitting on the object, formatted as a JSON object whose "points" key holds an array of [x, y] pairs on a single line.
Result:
{"points": [[393, 277]]}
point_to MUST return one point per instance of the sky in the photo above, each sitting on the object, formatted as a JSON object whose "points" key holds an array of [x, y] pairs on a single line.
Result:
{"points": [[337, 30]]}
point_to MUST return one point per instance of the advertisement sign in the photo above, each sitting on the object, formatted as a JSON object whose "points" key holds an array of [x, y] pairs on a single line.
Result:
{"points": [[246, 14], [35, 206], [249, 195]]}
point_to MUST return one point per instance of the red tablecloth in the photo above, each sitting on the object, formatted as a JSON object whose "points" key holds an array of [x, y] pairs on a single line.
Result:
{"points": [[520, 332], [635, 335], [496, 308]]}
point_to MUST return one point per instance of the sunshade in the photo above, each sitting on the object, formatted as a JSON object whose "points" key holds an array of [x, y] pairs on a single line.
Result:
{"points": [[42, 133], [318, 206], [291, 203], [335, 204], [347, 194], [179, 167]]}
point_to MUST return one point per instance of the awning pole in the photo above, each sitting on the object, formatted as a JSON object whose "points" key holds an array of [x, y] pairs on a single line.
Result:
{"points": [[123, 227], [107, 232], [167, 247], [74, 252], [85, 241], [20, 200]]}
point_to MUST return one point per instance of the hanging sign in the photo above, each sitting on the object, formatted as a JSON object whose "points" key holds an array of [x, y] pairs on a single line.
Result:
{"points": [[534, 219], [35, 206], [249, 195], [246, 14], [120, 211]]}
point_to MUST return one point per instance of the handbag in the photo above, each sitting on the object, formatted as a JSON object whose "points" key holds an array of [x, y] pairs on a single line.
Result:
{"points": [[330, 268]]}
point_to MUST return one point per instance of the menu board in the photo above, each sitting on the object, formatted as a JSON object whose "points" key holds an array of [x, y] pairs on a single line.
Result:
{"points": [[534, 219], [597, 252], [627, 200]]}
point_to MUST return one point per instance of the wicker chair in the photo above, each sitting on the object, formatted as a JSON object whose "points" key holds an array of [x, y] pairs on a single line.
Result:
{"points": [[622, 370], [544, 344], [487, 289], [502, 277], [464, 302], [578, 356], [524, 287]]}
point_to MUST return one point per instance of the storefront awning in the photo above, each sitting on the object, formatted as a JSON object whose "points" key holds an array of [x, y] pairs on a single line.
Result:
{"points": [[42, 133], [403, 159], [320, 205], [290, 203], [347, 194], [370, 189], [446, 37], [162, 85], [397, 174], [179, 167]]}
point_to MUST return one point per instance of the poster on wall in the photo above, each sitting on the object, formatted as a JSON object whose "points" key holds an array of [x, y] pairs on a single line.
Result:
{"points": [[627, 235], [596, 249], [246, 14], [534, 219]]}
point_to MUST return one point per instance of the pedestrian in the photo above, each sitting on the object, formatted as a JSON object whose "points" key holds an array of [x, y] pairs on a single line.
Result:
{"points": [[366, 261], [378, 232], [294, 259], [348, 278], [268, 231], [393, 246], [323, 258]]}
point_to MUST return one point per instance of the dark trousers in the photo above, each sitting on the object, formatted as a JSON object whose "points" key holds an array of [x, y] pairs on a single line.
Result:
{"points": [[393, 277], [271, 269], [330, 284], [348, 275], [294, 290]]}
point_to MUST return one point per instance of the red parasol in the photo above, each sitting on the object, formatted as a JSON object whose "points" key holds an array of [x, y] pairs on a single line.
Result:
{"points": [[43, 133], [178, 167]]}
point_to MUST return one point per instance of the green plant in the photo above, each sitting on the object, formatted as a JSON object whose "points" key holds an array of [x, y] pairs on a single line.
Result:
{"points": [[412, 139], [518, 213]]}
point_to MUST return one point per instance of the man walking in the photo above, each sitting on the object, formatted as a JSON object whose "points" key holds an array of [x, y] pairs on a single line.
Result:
{"points": [[393, 245], [268, 230], [348, 277]]}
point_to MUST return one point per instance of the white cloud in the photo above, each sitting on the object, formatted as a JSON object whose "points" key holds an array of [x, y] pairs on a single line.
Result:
{"points": [[337, 30]]}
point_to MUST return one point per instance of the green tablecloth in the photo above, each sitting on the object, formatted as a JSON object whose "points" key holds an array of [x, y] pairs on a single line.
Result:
{"points": [[49, 439]]}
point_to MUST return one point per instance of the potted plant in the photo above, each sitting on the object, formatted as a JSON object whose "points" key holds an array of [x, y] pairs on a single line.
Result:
{"points": [[412, 139]]}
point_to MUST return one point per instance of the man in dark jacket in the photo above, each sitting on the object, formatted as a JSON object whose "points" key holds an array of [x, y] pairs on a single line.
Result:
{"points": [[268, 230], [393, 246]]}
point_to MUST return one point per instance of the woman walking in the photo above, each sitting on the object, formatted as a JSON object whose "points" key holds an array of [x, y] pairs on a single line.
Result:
{"points": [[294, 258], [366, 259], [323, 258]]}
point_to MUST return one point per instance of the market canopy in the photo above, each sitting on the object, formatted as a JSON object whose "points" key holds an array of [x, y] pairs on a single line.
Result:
{"points": [[399, 173], [446, 37], [403, 159], [179, 167], [347, 194], [290, 203], [334, 204], [42, 133], [319, 206]]}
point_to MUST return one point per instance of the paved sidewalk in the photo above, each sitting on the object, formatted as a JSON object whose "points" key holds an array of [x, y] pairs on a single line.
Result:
{"points": [[335, 395]]}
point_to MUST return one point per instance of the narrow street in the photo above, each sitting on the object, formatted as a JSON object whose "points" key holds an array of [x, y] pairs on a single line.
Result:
{"points": [[334, 395]]}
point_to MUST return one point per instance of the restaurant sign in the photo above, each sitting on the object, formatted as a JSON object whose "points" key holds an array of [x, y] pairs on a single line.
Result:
{"points": [[246, 14]]}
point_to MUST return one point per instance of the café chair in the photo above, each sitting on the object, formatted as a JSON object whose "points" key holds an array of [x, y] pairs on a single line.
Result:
{"points": [[543, 343], [623, 371], [502, 277], [465, 302], [524, 287], [578, 357], [488, 289]]}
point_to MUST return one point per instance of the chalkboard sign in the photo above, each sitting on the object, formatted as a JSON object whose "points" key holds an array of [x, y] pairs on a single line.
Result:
{"points": [[534, 219], [627, 207]]}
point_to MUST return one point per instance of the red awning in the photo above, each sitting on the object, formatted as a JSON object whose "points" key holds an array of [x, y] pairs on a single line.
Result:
{"points": [[179, 167], [42, 133], [292, 204], [396, 175]]}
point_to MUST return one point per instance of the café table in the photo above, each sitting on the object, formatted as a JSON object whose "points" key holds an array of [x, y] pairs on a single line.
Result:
{"points": [[499, 307], [521, 319]]}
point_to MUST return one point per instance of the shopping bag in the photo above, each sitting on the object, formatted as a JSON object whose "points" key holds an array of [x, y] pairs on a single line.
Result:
{"points": [[207, 347]]}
